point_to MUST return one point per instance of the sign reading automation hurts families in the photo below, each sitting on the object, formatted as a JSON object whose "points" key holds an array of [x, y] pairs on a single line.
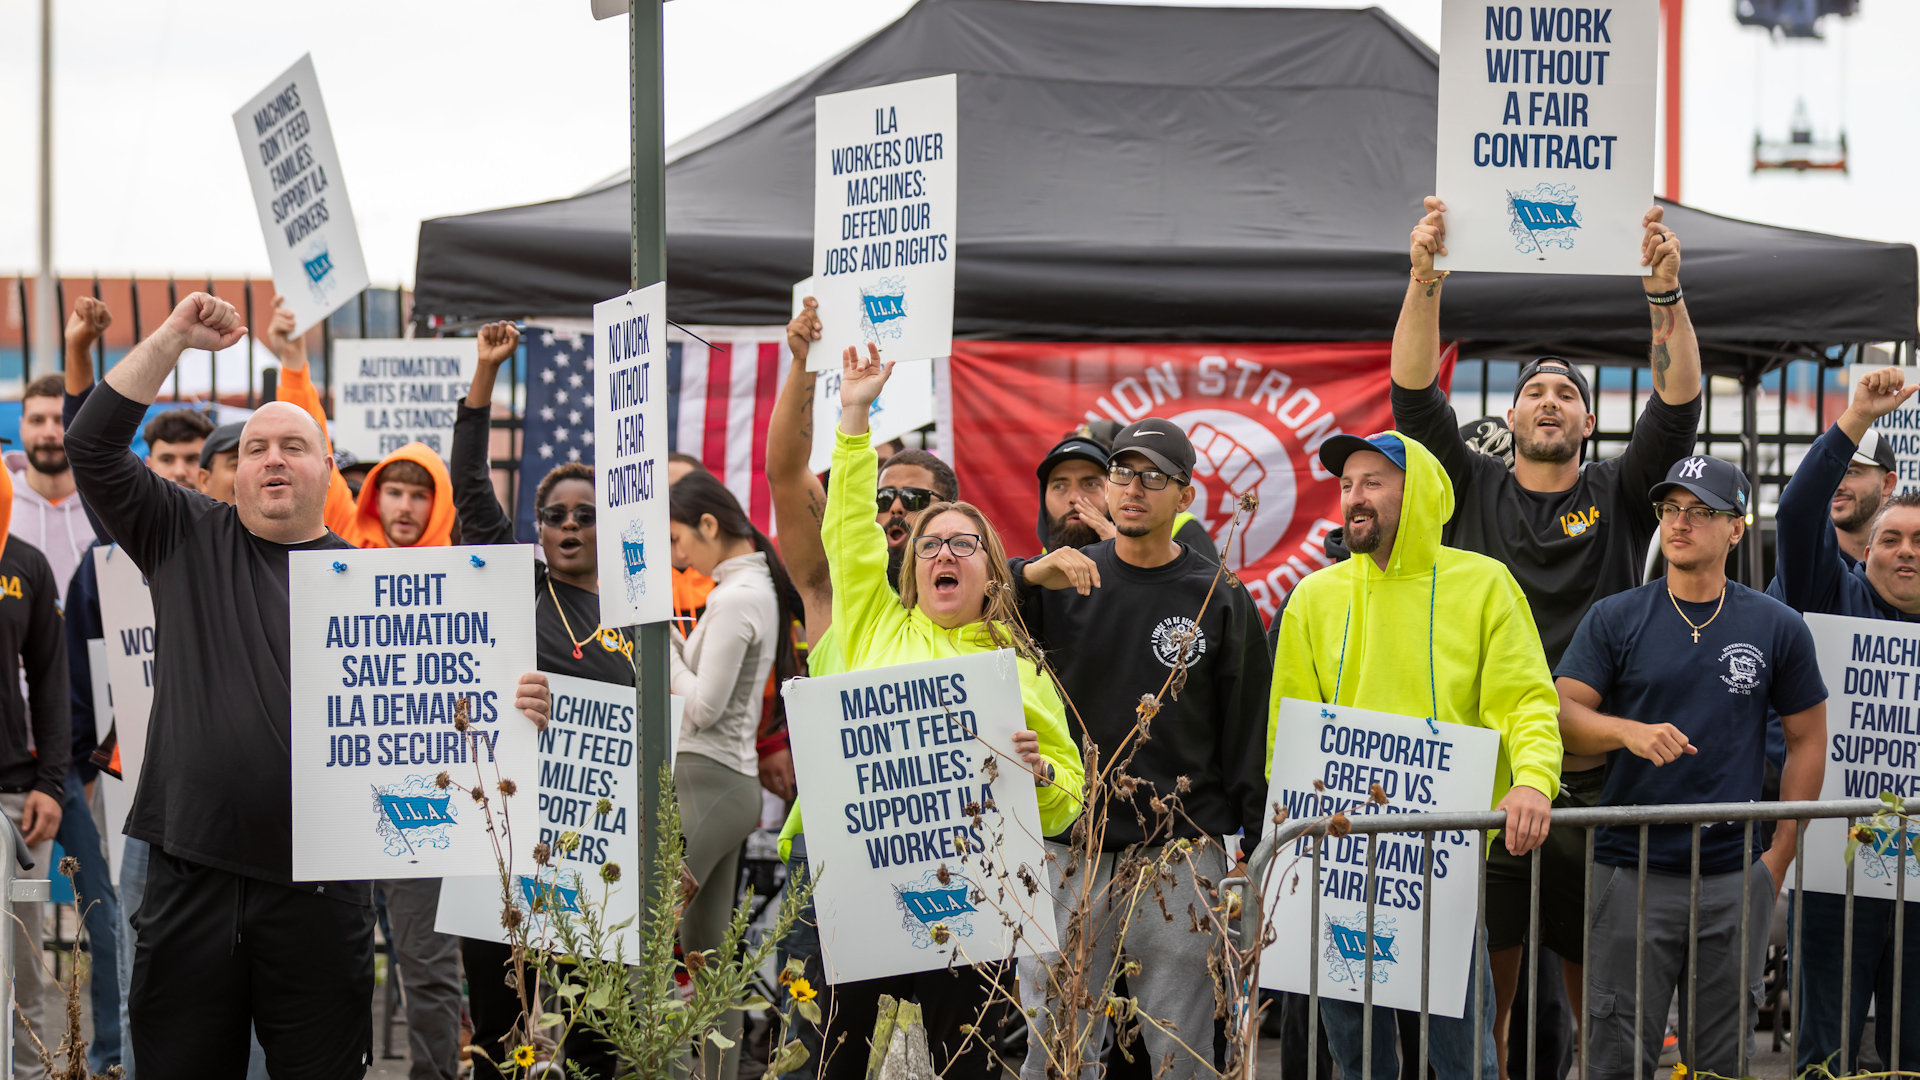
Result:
{"points": [[919, 822], [393, 391], [1545, 149], [1421, 770]]}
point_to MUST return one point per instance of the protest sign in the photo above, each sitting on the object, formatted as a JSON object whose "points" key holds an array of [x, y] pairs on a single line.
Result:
{"points": [[304, 213], [1422, 771], [1545, 149], [588, 754], [392, 647], [1900, 428], [1872, 672], [389, 392], [905, 405], [126, 622], [918, 816], [630, 456], [884, 214]]}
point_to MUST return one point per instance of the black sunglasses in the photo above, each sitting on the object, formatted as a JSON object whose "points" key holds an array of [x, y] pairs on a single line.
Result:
{"points": [[913, 498], [553, 515]]}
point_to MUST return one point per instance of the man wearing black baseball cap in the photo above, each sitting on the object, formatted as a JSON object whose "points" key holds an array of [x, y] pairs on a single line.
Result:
{"points": [[1673, 681], [1571, 534], [219, 458], [1112, 641], [1847, 479]]}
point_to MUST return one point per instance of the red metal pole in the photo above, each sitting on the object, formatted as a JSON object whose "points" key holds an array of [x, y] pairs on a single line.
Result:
{"points": [[1670, 13]]}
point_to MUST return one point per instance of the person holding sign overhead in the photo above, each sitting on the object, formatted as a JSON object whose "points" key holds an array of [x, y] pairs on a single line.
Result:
{"points": [[956, 598], [1831, 561], [1672, 681], [227, 939], [1365, 631]]}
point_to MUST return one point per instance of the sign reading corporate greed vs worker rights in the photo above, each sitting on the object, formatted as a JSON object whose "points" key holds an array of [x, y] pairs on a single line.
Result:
{"points": [[395, 391], [304, 213], [1872, 671], [1545, 149], [405, 663], [884, 214], [917, 819], [629, 405], [1326, 760]]}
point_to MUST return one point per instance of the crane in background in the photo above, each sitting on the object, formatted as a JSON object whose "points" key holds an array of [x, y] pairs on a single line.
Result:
{"points": [[1787, 22]]}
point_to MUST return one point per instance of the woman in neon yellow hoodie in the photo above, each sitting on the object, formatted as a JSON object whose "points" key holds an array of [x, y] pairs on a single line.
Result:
{"points": [[945, 607]]}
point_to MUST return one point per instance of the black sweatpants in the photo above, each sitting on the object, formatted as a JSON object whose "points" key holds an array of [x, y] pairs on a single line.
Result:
{"points": [[948, 998], [218, 953]]}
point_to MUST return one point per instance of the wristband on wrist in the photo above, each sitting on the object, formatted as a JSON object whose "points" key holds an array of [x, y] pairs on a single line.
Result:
{"points": [[1665, 299], [1437, 275]]}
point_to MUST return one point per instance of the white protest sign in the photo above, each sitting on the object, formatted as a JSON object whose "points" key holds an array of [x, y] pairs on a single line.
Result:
{"points": [[304, 213], [390, 645], [907, 403], [113, 793], [1872, 671], [126, 622], [885, 206], [1900, 428], [1348, 750], [1545, 150], [630, 456], [587, 754], [889, 769], [389, 392]]}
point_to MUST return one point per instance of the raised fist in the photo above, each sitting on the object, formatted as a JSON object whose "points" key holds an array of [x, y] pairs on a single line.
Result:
{"points": [[204, 322], [498, 340], [1880, 392], [89, 320], [291, 350]]}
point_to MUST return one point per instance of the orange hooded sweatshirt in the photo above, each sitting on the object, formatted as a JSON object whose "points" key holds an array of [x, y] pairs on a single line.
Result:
{"points": [[358, 521]]}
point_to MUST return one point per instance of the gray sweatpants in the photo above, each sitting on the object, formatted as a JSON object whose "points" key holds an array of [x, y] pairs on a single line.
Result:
{"points": [[29, 960], [429, 975], [719, 808], [1610, 960], [1172, 986]]}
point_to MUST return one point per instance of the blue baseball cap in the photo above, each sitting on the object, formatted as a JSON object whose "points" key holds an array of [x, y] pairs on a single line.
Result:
{"points": [[1335, 451]]}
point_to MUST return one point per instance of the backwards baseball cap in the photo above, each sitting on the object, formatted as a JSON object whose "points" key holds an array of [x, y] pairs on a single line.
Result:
{"points": [[224, 438], [1875, 450], [1073, 447], [1159, 441], [1554, 365], [1719, 484], [1335, 451]]}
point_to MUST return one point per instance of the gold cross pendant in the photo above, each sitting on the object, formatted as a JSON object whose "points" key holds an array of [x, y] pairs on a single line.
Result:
{"points": [[1696, 637]]}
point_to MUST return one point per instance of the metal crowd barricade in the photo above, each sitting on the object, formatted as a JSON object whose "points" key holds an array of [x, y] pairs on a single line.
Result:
{"points": [[14, 890], [1696, 815]]}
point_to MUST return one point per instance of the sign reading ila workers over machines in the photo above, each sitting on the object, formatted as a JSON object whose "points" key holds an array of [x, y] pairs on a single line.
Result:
{"points": [[1872, 671], [405, 663], [1899, 428], [630, 456], [1545, 149], [884, 213], [919, 822], [1326, 760], [304, 212], [394, 391]]}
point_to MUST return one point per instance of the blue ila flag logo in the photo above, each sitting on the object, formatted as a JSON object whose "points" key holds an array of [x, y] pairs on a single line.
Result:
{"points": [[1543, 217], [317, 262], [931, 902], [883, 308], [633, 558], [1346, 952], [414, 814]]}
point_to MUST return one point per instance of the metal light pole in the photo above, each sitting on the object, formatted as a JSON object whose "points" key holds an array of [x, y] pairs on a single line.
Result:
{"points": [[46, 312]]}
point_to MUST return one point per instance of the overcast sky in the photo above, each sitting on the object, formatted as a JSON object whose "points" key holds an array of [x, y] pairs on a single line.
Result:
{"points": [[445, 108]]}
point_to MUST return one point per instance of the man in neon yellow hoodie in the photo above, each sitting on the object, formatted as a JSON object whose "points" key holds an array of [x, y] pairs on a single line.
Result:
{"points": [[1364, 633]]}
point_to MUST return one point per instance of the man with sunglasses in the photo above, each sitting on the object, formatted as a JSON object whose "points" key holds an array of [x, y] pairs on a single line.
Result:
{"points": [[1144, 617], [1672, 681]]}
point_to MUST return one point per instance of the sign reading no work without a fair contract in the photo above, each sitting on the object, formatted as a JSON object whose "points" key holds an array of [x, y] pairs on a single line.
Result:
{"points": [[393, 648], [1872, 671], [391, 392], [921, 827], [1901, 431], [1421, 770], [1545, 149], [884, 211], [630, 456], [304, 212]]}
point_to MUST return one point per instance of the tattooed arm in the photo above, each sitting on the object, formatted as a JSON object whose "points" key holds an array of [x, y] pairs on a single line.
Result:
{"points": [[799, 502], [1416, 337], [1675, 356]]}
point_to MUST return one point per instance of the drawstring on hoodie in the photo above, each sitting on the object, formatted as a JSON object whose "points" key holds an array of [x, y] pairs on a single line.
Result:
{"points": [[1433, 693]]}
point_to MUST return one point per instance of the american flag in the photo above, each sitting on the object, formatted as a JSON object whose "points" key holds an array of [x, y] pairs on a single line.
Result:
{"points": [[721, 384]]}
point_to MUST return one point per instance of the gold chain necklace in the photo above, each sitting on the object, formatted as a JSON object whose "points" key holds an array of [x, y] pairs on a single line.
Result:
{"points": [[1676, 608], [577, 654]]}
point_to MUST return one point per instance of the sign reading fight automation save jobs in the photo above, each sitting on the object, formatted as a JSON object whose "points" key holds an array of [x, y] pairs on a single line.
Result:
{"points": [[1545, 148], [1421, 771], [630, 456], [912, 832], [304, 212], [394, 391], [884, 214], [389, 646]]}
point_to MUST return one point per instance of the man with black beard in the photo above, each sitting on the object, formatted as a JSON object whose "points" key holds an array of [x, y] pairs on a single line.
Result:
{"points": [[1073, 497], [1870, 481]]}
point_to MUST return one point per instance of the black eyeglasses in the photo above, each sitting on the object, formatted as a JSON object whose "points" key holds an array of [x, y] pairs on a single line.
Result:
{"points": [[961, 544], [1696, 515], [553, 515], [913, 498], [1151, 479]]}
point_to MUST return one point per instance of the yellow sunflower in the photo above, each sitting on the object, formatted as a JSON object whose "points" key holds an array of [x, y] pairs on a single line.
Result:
{"points": [[523, 1057], [802, 990]]}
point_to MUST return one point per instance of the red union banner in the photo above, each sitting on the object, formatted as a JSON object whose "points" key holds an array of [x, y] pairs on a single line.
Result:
{"points": [[1257, 415]]}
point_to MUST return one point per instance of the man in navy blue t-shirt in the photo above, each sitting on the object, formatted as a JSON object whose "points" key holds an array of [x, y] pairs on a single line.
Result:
{"points": [[1672, 681]]}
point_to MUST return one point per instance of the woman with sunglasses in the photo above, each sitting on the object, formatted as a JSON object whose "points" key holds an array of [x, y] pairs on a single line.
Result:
{"points": [[955, 599], [568, 640]]}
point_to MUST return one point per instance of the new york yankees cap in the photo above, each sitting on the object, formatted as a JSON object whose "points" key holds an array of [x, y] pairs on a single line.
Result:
{"points": [[1159, 441], [1876, 451], [1719, 484]]}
